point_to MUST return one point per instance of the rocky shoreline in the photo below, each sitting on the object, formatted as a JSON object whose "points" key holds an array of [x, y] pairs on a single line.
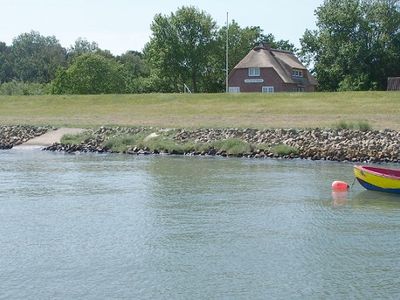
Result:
{"points": [[314, 144], [14, 135]]}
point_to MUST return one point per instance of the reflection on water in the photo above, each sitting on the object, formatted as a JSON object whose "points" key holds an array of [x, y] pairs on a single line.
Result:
{"points": [[114, 226], [339, 198]]}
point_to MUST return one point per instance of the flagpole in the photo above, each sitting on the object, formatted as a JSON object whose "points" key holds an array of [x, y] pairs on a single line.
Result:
{"points": [[227, 55]]}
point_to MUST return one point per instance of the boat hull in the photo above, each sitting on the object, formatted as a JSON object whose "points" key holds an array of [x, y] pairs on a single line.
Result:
{"points": [[378, 179]]}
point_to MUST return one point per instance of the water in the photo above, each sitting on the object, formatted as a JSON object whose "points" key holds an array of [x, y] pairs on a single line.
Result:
{"points": [[128, 227]]}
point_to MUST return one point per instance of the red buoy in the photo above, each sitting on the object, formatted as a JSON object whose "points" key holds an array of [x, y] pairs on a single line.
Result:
{"points": [[340, 186]]}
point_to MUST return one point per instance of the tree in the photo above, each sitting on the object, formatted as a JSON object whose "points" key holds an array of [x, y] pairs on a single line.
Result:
{"points": [[5, 65], [90, 73], [356, 45], [134, 64], [36, 58], [136, 71], [276, 44], [181, 46], [83, 46]]}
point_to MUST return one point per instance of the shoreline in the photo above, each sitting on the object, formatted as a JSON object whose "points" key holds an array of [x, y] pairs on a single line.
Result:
{"points": [[369, 146]]}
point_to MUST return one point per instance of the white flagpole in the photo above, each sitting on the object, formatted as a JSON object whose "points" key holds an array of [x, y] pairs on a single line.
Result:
{"points": [[227, 55]]}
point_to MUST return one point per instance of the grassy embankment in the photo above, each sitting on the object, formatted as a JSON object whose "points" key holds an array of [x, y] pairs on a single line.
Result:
{"points": [[165, 142], [361, 110], [281, 110]]}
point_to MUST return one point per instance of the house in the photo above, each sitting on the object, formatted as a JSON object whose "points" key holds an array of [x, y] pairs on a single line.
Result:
{"points": [[393, 84], [269, 70]]}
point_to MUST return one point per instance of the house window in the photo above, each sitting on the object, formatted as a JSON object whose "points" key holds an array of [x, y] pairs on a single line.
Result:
{"points": [[268, 89], [300, 89], [297, 73], [234, 89], [254, 71]]}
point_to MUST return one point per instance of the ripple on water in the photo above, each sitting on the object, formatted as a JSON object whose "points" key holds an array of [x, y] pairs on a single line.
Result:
{"points": [[113, 226]]}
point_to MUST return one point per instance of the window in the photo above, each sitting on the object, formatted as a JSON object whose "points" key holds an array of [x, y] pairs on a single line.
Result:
{"points": [[234, 89], [297, 73], [300, 89], [268, 89], [254, 71]]}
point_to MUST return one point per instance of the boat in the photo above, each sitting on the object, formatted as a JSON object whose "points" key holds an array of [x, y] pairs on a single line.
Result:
{"points": [[378, 179]]}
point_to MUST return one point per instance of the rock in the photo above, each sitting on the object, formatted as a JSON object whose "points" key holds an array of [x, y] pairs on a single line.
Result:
{"points": [[313, 144]]}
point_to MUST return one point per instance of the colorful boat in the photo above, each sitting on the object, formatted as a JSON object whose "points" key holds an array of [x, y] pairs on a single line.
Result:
{"points": [[378, 179]]}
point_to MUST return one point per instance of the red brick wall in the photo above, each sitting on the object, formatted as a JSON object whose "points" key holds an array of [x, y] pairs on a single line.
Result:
{"points": [[271, 78]]}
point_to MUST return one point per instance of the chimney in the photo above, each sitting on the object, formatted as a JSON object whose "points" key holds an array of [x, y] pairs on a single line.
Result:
{"points": [[262, 46]]}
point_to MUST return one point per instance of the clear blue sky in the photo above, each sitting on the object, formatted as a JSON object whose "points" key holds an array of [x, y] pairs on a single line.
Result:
{"points": [[121, 25]]}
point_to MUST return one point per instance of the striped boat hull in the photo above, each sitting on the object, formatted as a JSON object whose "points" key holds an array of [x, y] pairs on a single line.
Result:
{"points": [[378, 179]]}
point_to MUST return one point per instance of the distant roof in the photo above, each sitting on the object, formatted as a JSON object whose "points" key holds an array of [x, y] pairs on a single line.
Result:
{"points": [[281, 61]]}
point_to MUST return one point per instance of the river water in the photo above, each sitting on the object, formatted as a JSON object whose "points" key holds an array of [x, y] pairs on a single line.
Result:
{"points": [[127, 227]]}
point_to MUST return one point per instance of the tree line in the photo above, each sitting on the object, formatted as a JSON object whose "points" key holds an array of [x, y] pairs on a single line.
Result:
{"points": [[356, 46]]}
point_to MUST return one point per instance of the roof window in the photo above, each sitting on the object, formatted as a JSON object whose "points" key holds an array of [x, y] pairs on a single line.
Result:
{"points": [[254, 71], [297, 73]]}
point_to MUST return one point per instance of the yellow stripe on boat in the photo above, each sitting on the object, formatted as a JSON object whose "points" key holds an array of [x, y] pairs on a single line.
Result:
{"points": [[381, 181]]}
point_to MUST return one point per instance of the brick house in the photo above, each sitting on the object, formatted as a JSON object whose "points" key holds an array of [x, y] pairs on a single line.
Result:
{"points": [[269, 70], [393, 84]]}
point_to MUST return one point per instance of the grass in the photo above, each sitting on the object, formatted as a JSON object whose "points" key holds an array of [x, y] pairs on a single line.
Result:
{"points": [[283, 150], [122, 143], [163, 143], [360, 125], [232, 146], [280, 110], [75, 138]]}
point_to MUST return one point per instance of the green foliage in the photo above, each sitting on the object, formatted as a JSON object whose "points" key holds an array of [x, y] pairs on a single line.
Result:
{"points": [[355, 83], [166, 144], [232, 146], [364, 126], [188, 48], [136, 73], [6, 72], [35, 58], [90, 74], [75, 139], [181, 46], [162, 143], [282, 150], [122, 143], [24, 88], [356, 45], [81, 46], [159, 143], [360, 125]]}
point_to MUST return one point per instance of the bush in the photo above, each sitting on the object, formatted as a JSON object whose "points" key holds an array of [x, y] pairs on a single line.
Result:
{"points": [[364, 126], [232, 146], [166, 144], [360, 125], [20, 88], [123, 143], [283, 150], [90, 74], [75, 139]]}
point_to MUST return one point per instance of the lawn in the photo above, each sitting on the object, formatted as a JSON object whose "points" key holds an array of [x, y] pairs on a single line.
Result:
{"points": [[301, 110]]}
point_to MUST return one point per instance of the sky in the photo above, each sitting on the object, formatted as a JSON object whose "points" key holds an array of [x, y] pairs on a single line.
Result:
{"points": [[122, 25]]}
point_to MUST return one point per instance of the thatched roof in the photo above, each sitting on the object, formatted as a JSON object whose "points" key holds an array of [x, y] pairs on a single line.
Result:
{"points": [[283, 62]]}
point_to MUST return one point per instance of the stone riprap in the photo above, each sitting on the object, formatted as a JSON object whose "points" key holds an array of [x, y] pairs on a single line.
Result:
{"points": [[315, 144], [13, 135]]}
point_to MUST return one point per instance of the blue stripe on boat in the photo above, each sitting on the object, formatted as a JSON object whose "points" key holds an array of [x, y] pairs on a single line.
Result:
{"points": [[372, 187]]}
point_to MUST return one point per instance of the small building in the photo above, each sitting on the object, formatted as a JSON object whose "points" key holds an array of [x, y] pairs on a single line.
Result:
{"points": [[393, 84], [269, 70]]}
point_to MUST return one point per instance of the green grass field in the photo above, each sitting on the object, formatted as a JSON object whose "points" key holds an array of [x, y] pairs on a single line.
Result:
{"points": [[281, 110]]}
